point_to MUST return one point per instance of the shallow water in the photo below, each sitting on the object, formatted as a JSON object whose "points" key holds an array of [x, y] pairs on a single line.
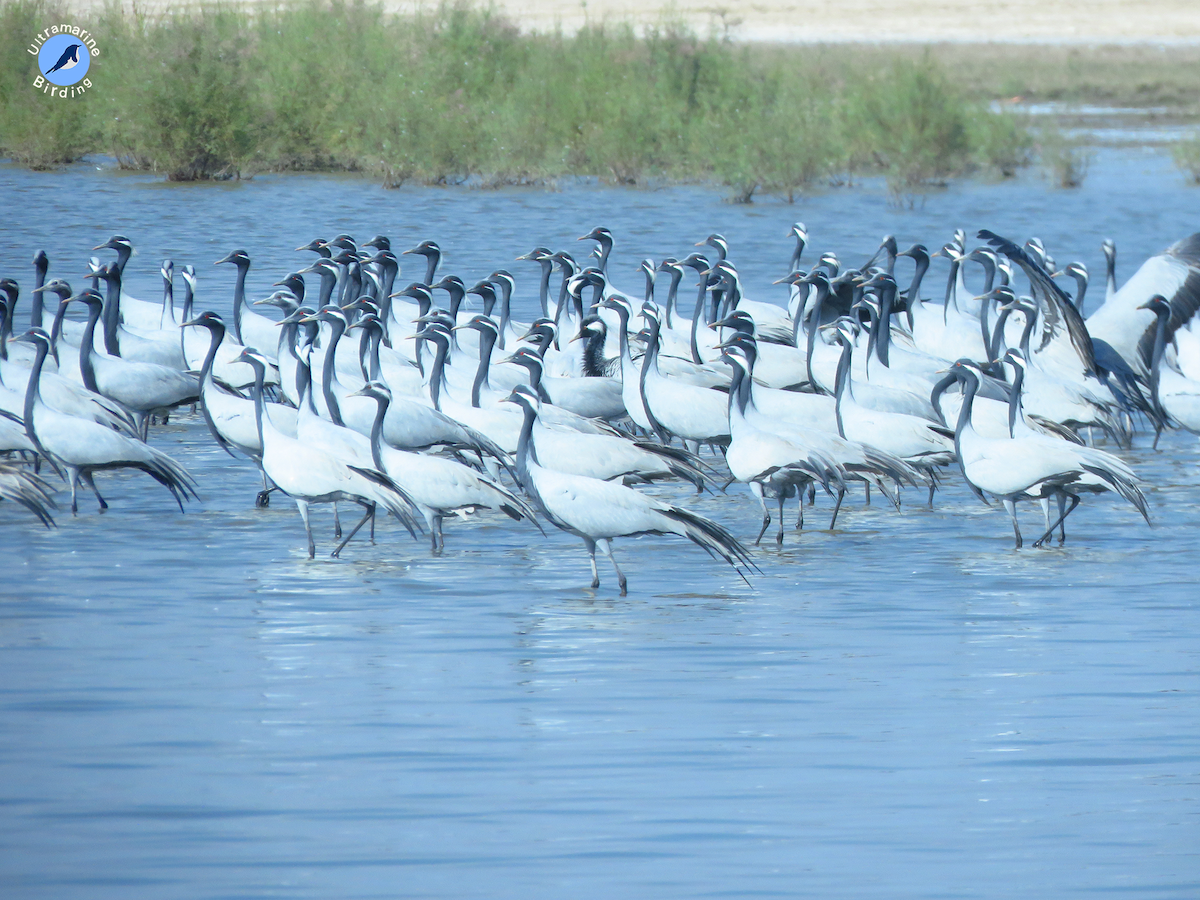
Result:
{"points": [[905, 707]]}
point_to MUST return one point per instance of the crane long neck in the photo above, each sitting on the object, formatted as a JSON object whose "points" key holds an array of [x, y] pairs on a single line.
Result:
{"points": [[842, 381], [935, 396], [376, 370], [562, 294], [239, 299], [438, 371], [535, 382], [123, 254], [794, 262], [112, 313], [505, 302], [41, 267], [993, 345], [364, 354], [168, 305], [742, 386], [216, 334], [814, 322], [524, 449], [33, 393], [304, 386], [260, 373], [606, 246], [989, 279], [1160, 345], [951, 292], [970, 386], [329, 373], [887, 303], [56, 326], [377, 431], [86, 348], [796, 304], [984, 331], [487, 340], [672, 294], [390, 271], [6, 323], [623, 340], [188, 299], [697, 317], [914, 288], [544, 286], [1014, 400], [1030, 319]]}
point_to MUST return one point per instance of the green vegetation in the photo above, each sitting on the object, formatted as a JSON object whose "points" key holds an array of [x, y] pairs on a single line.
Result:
{"points": [[1065, 159], [1187, 157], [458, 94]]}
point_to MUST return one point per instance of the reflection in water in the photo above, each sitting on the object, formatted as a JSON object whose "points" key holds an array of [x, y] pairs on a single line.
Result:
{"points": [[905, 707]]}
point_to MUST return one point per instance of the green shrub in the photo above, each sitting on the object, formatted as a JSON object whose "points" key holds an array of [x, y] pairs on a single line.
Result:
{"points": [[1065, 159], [911, 121], [35, 129], [1187, 157], [457, 93]]}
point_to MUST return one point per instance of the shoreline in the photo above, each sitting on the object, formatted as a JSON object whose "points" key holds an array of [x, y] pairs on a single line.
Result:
{"points": [[209, 92], [1062, 23]]}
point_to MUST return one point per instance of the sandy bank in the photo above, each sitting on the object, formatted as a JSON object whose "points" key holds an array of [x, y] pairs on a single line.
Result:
{"points": [[814, 21]]}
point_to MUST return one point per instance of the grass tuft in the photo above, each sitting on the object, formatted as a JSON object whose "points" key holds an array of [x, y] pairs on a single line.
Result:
{"points": [[1065, 159], [1187, 158]]}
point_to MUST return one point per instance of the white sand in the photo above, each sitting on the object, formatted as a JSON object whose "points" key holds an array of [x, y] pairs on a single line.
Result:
{"points": [[814, 21], [810, 21]]}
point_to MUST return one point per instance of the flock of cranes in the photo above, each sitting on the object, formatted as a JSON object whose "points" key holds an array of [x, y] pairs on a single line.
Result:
{"points": [[405, 401]]}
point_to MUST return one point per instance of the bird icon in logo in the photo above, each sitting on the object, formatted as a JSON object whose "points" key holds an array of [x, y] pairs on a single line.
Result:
{"points": [[64, 59], [68, 60]]}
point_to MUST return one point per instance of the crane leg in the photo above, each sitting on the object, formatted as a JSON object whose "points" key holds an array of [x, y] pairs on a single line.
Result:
{"points": [[894, 500], [867, 494], [337, 521], [779, 537], [591, 549], [86, 478], [1041, 542], [369, 514], [74, 491], [757, 491], [606, 549], [1011, 507], [263, 499], [837, 507], [302, 505]]}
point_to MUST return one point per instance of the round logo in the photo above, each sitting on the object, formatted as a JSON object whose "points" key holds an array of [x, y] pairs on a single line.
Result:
{"points": [[64, 60]]}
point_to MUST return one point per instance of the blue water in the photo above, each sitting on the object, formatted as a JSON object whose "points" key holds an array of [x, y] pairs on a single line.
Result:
{"points": [[903, 708]]}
